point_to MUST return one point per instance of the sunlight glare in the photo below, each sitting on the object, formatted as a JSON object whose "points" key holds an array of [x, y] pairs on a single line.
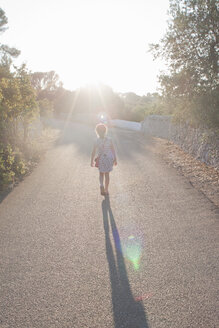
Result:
{"points": [[89, 41]]}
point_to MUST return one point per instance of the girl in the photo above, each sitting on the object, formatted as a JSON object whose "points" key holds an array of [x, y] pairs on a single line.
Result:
{"points": [[106, 156]]}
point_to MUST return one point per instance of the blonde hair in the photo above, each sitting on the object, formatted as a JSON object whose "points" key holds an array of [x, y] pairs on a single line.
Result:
{"points": [[101, 130]]}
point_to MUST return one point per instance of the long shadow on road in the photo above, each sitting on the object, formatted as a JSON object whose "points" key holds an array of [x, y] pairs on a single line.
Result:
{"points": [[128, 313]]}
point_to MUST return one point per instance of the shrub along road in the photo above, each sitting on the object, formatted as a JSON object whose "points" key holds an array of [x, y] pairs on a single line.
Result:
{"points": [[145, 257]]}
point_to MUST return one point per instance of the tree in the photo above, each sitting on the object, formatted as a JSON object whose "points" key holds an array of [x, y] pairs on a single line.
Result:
{"points": [[17, 102], [18, 108], [3, 21], [46, 85], [28, 104], [6, 51], [45, 81], [190, 48]]}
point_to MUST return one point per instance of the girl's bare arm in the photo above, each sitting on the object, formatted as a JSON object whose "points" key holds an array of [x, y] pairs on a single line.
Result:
{"points": [[114, 154], [92, 156]]}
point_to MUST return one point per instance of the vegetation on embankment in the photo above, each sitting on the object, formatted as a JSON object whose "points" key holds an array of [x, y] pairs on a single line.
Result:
{"points": [[21, 104]]}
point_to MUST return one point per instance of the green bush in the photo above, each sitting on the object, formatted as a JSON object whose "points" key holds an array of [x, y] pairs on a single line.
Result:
{"points": [[6, 162], [19, 165], [11, 165]]}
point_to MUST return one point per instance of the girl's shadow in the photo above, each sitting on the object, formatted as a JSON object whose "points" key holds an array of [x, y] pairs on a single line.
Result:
{"points": [[128, 313]]}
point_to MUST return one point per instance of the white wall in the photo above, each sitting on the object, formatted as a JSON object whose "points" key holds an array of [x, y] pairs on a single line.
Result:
{"points": [[126, 125]]}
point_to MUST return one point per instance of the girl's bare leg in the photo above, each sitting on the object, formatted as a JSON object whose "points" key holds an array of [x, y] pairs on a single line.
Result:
{"points": [[106, 182], [101, 177]]}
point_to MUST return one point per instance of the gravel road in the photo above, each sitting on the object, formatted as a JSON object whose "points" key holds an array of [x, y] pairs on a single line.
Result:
{"points": [[147, 256]]}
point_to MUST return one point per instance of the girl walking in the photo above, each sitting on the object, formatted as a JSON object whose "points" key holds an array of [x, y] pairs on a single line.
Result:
{"points": [[106, 157]]}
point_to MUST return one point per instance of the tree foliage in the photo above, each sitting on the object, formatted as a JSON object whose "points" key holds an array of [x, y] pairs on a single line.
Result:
{"points": [[45, 81], [18, 107], [46, 86], [3, 21], [190, 48], [5, 50], [136, 107], [17, 97]]}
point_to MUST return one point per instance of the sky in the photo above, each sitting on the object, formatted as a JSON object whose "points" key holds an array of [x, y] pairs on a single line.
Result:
{"points": [[89, 41]]}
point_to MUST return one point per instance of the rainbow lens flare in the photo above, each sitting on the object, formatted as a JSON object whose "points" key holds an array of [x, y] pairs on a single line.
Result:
{"points": [[130, 244]]}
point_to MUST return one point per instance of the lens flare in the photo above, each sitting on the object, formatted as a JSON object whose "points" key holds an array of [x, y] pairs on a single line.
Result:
{"points": [[131, 242], [132, 250], [102, 117]]}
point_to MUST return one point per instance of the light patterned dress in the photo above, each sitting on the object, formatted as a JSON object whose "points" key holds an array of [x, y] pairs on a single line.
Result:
{"points": [[105, 154]]}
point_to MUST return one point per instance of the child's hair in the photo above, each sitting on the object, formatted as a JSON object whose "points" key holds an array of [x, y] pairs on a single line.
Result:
{"points": [[101, 130]]}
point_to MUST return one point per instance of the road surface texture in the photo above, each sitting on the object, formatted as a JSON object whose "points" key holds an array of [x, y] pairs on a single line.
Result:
{"points": [[144, 257]]}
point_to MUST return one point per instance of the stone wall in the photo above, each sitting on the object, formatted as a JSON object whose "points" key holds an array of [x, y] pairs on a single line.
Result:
{"points": [[203, 144]]}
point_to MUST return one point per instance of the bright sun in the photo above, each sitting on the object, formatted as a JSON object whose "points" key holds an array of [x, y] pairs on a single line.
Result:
{"points": [[99, 48], [87, 42]]}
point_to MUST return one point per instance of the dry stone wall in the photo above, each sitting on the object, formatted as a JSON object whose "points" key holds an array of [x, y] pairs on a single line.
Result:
{"points": [[203, 144]]}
